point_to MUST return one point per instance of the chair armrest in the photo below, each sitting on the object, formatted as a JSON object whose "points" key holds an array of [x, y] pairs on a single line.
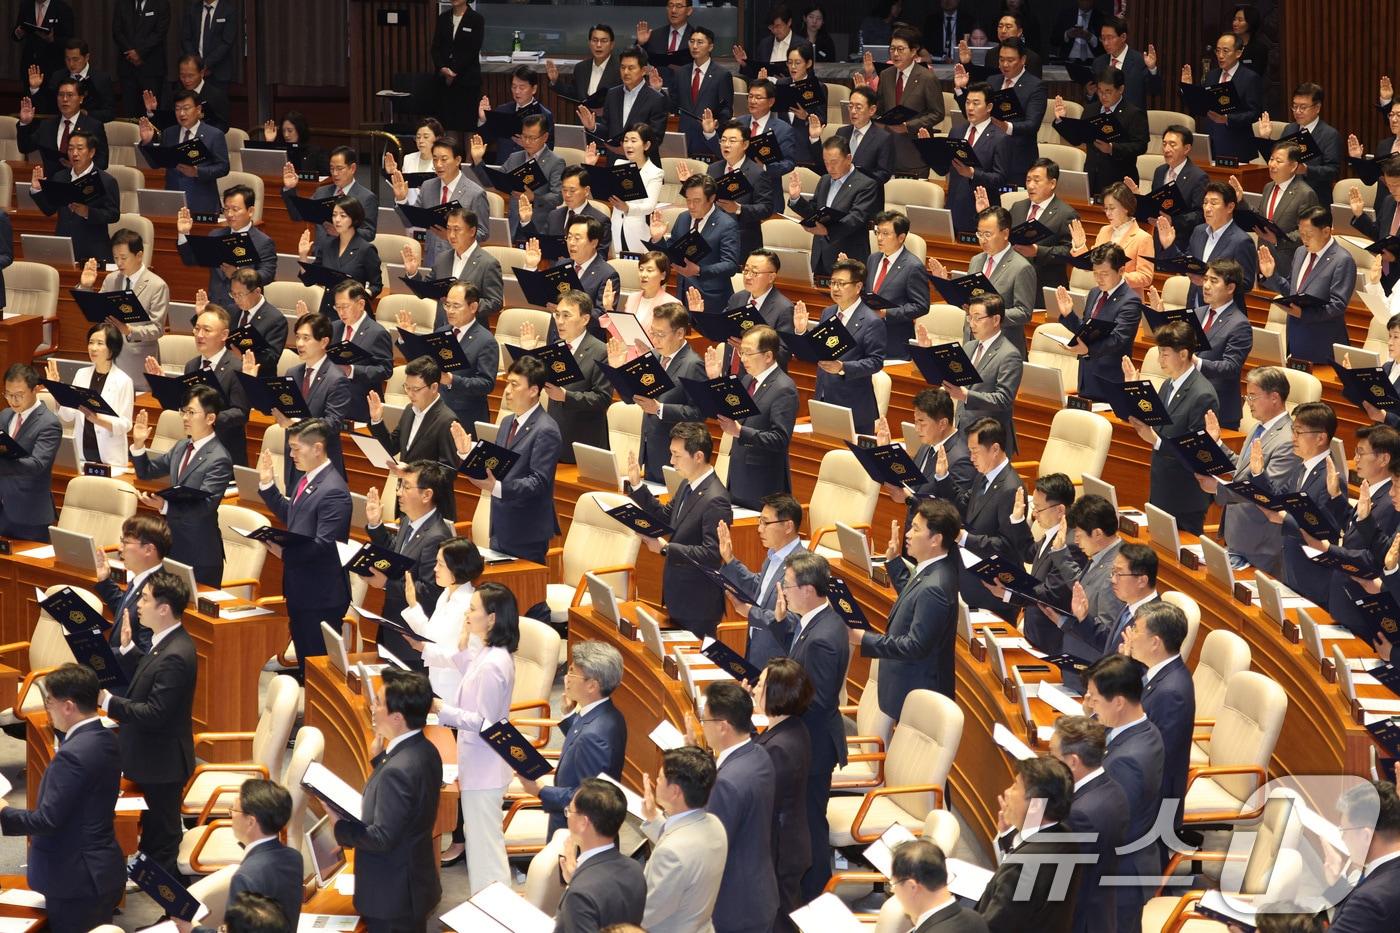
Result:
{"points": [[1206, 723], [1223, 815], [821, 533], [534, 723], [871, 795], [852, 877], [241, 767], [209, 829], [13, 647], [28, 684], [582, 586], [1026, 467], [1198, 855], [200, 737], [214, 798], [518, 804], [542, 724], [269, 600], [848, 710], [554, 560]]}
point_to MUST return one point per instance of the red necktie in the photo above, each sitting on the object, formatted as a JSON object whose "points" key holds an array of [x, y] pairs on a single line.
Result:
{"points": [[1210, 320], [753, 128], [185, 461], [695, 86], [880, 277], [971, 136], [301, 488], [349, 332], [1307, 270], [16, 425], [510, 435], [67, 132], [1035, 209], [675, 41], [899, 89], [1098, 305], [306, 385], [991, 261], [1273, 202], [445, 193]]}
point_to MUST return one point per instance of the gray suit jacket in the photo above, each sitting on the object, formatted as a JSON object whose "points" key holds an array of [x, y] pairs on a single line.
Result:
{"points": [[466, 396], [859, 197], [1244, 527], [608, 888], [547, 198], [684, 871], [25, 496], [1087, 639], [1332, 280], [742, 799], [466, 192], [194, 526], [482, 270], [1295, 199], [1000, 367], [1013, 277], [583, 414], [143, 339]]}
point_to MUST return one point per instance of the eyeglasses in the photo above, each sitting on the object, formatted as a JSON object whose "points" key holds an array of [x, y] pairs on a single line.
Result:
{"points": [[749, 270], [772, 521], [190, 413], [843, 284], [1300, 432], [1115, 574], [901, 47]]}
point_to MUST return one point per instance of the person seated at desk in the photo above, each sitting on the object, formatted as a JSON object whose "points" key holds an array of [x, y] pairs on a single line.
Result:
{"points": [[1111, 299], [199, 182], [779, 521], [466, 390], [580, 410], [699, 504], [1099, 806], [689, 844], [26, 497], [357, 327], [345, 249], [190, 75], [1322, 269], [50, 137], [145, 543], [669, 326], [758, 456], [849, 381], [84, 223], [523, 516], [197, 462], [100, 438], [854, 194], [919, 872], [239, 201], [295, 130], [74, 859], [1219, 237], [602, 886], [425, 430], [344, 163], [595, 731], [450, 185], [253, 310], [138, 340]]}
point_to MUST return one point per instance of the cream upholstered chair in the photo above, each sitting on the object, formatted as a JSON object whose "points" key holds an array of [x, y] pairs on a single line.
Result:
{"points": [[836, 95], [1151, 368], [1192, 610], [1223, 655], [509, 257], [672, 175], [543, 886], [481, 522], [212, 892], [844, 493], [7, 187], [424, 311], [130, 220], [793, 244], [390, 248], [624, 433], [235, 138], [1174, 291], [1069, 158], [921, 752], [122, 140], [170, 427], [595, 544], [275, 442], [243, 558], [9, 139], [915, 191], [175, 351], [211, 845], [536, 660], [31, 288], [508, 329], [244, 178], [213, 785], [941, 828], [882, 385], [628, 277], [944, 322], [284, 297], [45, 650], [1078, 444], [286, 361], [129, 179], [865, 762], [1046, 352], [97, 506], [1237, 756]]}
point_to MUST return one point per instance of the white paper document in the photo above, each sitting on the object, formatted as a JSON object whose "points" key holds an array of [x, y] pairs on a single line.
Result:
{"points": [[827, 914], [1059, 700], [667, 736], [46, 552], [327, 784], [497, 907], [129, 805], [345, 884], [634, 799], [21, 897], [967, 880], [374, 452], [310, 922], [880, 853], [1007, 740]]}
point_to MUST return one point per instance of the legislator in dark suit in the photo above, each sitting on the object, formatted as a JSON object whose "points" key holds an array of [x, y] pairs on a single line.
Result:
{"points": [[1283, 209], [26, 499], [676, 407], [1330, 276], [522, 516], [212, 30], [953, 917], [857, 196], [505, 149], [758, 458], [989, 144], [7, 252], [921, 93], [268, 321], [582, 415], [1055, 569], [464, 190], [721, 233], [1169, 700], [1370, 536], [1372, 904], [201, 192], [905, 282], [790, 150], [960, 469], [1021, 147], [1234, 138], [232, 422], [1173, 484], [332, 399], [607, 888], [715, 94], [694, 511], [1000, 366], [1099, 807], [359, 260], [1138, 82], [742, 798], [668, 40], [776, 310], [1230, 243], [595, 742], [47, 134], [916, 649], [1008, 907], [467, 393], [273, 870], [213, 100], [89, 234], [872, 151], [1190, 180], [1107, 168], [312, 576], [123, 604], [74, 859], [157, 739], [1135, 761], [432, 440], [140, 26], [194, 526], [1088, 638], [1052, 253], [1101, 369], [458, 50], [421, 545], [99, 94], [754, 207], [986, 514], [1378, 228], [45, 52], [396, 838], [578, 84], [854, 387], [649, 108], [218, 287], [556, 223], [789, 749], [1074, 16], [1231, 338], [370, 336]]}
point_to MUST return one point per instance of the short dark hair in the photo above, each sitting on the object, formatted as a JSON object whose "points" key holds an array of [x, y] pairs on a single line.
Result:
{"points": [[809, 569], [579, 172], [855, 267], [130, 239], [1316, 416], [1317, 217], [705, 31], [318, 323], [768, 254], [695, 436], [603, 804], [998, 213], [179, 97], [149, 528], [1118, 24], [208, 397], [579, 299], [409, 694], [1052, 168], [347, 153], [673, 313], [935, 402], [991, 304], [1384, 440], [837, 142], [352, 208], [1110, 76], [1117, 675], [425, 368], [463, 560], [1141, 559], [535, 121], [909, 34], [920, 861], [1185, 133], [1310, 90], [988, 431], [1166, 621], [1176, 335], [1093, 513], [467, 217], [250, 198], [636, 53], [1270, 379], [785, 507], [1225, 191], [1057, 488], [355, 290], [74, 682], [111, 337], [251, 912], [1230, 272], [90, 140], [1358, 803], [22, 371], [311, 431], [1120, 193], [497, 599], [170, 590], [80, 44], [1084, 737], [592, 226], [898, 219], [1014, 45], [728, 702], [531, 369], [692, 770], [979, 87], [787, 690], [247, 277], [604, 28], [870, 96], [766, 339], [1110, 253], [942, 519], [525, 73], [436, 478], [451, 143], [1291, 150], [704, 182], [1050, 780], [267, 802]]}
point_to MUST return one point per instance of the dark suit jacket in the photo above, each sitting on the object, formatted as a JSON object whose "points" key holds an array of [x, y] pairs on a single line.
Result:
{"points": [[823, 649], [273, 870], [422, 547], [583, 414], [201, 192], [1056, 571], [1231, 339], [916, 649], [1008, 909], [1234, 138], [365, 195], [1169, 699], [1191, 182], [1234, 244], [991, 148], [1100, 807], [789, 748], [552, 224], [1102, 369], [676, 406], [608, 888], [156, 734], [194, 526], [1021, 148], [99, 94], [312, 575], [960, 470], [742, 798], [229, 424], [923, 93], [859, 198], [594, 280], [218, 287], [466, 396], [113, 596], [716, 95], [523, 518], [1068, 19], [214, 98], [222, 46], [1371, 535], [396, 838], [271, 323], [1138, 82], [74, 850], [855, 387], [954, 918], [659, 42], [1052, 252], [693, 602], [763, 54], [905, 282], [432, 442], [1378, 228], [7, 252], [360, 261], [371, 337], [874, 156], [790, 149], [1332, 279], [43, 135], [575, 84], [1174, 485], [986, 514], [25, 496], [594, 742], [721, 234], [89, 234], [1135, 760], [1122, 161], [145, 33], [1372, 904], [332, 398], [58, 16], [650, 108], [754, 208], [758, 459]]}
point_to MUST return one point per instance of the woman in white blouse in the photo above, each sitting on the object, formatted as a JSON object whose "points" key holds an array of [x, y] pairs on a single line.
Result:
{"points": [[630, 219], [1373, 294], [482, 656], [652, 270], [420, 159], [100, 438]]}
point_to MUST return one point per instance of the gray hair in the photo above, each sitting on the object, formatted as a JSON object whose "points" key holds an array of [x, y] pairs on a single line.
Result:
{"points": [[1270, 379], [600, 661]]}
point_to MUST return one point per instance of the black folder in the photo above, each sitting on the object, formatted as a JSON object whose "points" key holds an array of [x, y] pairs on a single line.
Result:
{"points": [[314, 273], [806, 94], [247, 338], [186, 495], [829, 341], [1210, 98], [1310, 517], [1029, 233], [349, 354], [92, 650], [505, 740], [426, 217], [172, 391], [689, 248], [561, 369], [1159, 319], [964, 289], [75, 397], [1355, 564], [441, 345], [888, 464], [11, 449], [86, 190], [826, 216], [1179, 265], [1381, 611], [945, 362], [1368, 384], [280, 392], [72, 612], [621, 179], [372, 557], [642, 376], [1006, 105], [525, 175], [543, 288], [1164, 200], [731, 662], [1303, 139], [764, 148], [483, 456], [236, 249], [312, 210], [733, 186], [898, 115], [839, 596], [1086, 132], [281, 537], [1139, 399], [431, 289], [164, 888], [1202, 453], [939, 152], [640, 520], [98, 306], [724, 396], [193, 152], [1252, 221]]}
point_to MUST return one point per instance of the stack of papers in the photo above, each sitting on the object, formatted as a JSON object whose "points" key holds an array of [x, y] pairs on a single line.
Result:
{"points": [[307, 923], [667, 736], [495, 907], [827, 914]]}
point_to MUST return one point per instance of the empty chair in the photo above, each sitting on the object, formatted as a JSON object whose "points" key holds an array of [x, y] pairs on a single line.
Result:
{"points": [[1078, 444], [536, 660], [130, 220], [175, 351], [7, 187], [122, 140], [865, 765], [902, 191], [243, 557], [213, 785], [243, 178], [390, 248], [944, 323], [624, 433], [128, 179], [1237, 756], [595, 543], [1223, 655], [170, 427], [508, 329], [284, 297], [544, 887], [9, 139], [31, 288], [1046, 352], [1069, 158], [628, 278], [844, 493], [424, 311], [275, 443], [793, 244], [97, 506]]}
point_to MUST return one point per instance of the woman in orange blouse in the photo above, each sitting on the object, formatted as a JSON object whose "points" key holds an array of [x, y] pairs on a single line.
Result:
{"points": [[1122, 228]]}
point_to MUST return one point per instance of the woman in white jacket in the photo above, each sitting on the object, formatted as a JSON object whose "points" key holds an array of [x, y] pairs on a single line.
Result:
{"points": [[101, 438], [631, 219]]}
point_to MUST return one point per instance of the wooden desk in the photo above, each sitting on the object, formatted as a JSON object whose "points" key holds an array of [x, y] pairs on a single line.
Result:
{"points": [[38, 917]]}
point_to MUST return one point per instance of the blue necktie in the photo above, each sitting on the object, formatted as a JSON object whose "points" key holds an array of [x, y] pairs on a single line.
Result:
{"points": [[1117, 636]]}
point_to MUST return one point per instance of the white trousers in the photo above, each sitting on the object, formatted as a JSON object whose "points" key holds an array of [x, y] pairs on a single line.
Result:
{"points": [[486, 844]]}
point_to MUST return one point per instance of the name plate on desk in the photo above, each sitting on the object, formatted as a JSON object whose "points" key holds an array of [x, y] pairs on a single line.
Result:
{"points": [[1079, 403], [1189, 560], [1129, 527], [1302, 366], [204, 217], [4, 546], [969, 238], [626, 629], [1242, 594], [97, 469], [207, 606], [1225, 162], [1291, 632], [670, 667], [1327, 669], [978, 646]]}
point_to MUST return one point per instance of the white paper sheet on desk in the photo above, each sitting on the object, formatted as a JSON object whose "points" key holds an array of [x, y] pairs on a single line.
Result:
{"points": [[217, 596], [1375, 705], [804, 428], [129, 804], [880, 853], [984, 617], [1363, 664], [345, 884], [449, 774], [497, 907], [1297, 602], [1195, 549], [45, 552], [1362, 679], [741, 514], [494, 557], [827, 914], [967, 880], [165, 926], [1013, 643], [1368, 717], [247, 612], [1044, 733], [1004, 737], [1060, 701], [677, 635], [22, 897], [1333, 633], [666, 736], [1134, 515], [309, 922]]}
